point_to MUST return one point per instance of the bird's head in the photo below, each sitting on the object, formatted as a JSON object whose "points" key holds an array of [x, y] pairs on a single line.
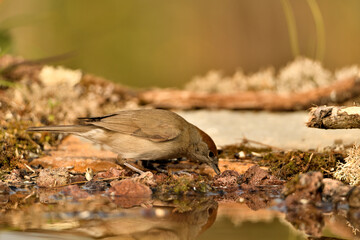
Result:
{"points": [[205, 151]]}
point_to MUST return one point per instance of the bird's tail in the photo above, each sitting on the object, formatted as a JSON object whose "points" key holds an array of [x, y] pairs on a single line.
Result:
{"points": [[61, 129]]}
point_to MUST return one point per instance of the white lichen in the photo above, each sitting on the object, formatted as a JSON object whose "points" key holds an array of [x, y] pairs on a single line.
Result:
{"points": [[216, 82], [350, 170], [347, 72], [302, 74], [55, 76]]}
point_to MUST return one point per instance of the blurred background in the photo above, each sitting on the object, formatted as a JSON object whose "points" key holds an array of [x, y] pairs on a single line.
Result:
{"points": [[166, 43]]}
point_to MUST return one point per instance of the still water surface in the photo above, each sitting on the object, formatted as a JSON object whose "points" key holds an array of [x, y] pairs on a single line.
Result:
{"points": [[46, 214]]}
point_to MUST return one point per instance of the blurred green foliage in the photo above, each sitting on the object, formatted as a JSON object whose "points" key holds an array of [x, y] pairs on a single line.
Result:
{"points": [[5, 41], [166, 43]]}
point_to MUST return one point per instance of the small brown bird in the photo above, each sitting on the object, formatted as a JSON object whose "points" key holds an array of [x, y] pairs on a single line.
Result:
{"points": [[147, 134]]}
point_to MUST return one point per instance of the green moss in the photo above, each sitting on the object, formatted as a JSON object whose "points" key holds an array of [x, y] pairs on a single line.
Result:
{"points": [[230, 150], [17, 144], [183, 204], [289, 164], [290, 185], [184, 185]]}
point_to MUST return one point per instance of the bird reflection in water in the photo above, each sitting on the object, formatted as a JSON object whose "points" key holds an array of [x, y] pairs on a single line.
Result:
{"points": [[104, 218], [162, 221]]}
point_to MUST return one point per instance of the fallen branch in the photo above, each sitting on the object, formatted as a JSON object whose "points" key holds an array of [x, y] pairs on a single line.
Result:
{"points": [[339, 92], [331, 117]]}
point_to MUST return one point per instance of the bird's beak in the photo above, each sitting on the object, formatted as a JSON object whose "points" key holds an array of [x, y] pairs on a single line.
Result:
{"points": [[216, 168]]}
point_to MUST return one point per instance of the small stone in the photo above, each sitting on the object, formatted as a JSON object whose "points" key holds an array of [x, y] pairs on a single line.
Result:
{"points": [[48, 196], [14, 177], [95, 186], [354, 197], [129, 188], [227, 180], [256, 176], [111, 173], [53, 177], [240, 155], [77, 178], [89, 174], [4, 189], [334, 190], [128, 193], [146, 178], [308, 186]]}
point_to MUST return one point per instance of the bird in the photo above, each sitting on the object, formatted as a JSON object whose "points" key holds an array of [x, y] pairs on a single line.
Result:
{"points": [[145, 134]]}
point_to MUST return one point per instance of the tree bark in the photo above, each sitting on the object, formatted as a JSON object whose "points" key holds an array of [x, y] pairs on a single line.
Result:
{"points": [[337, 93], [331, 117]]}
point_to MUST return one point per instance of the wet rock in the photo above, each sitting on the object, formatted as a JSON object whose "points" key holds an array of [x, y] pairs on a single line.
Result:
{"points": [[77, 178], [14, 177], [95, 186], [334, 190], [4, 198], [257, 200], [129, 188], [353, 218], [306, 218], [47, 196], [146, 178], [111, 173], [128, 193], [354, 197], [229, 197], [307, 188], [256, 176], [53, 177], [4, 193], [129, 202], [75, 192], [227, 180], [4, 189]]}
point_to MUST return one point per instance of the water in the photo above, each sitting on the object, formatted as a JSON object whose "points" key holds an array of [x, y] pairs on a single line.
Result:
{"points": [[58, 214]]}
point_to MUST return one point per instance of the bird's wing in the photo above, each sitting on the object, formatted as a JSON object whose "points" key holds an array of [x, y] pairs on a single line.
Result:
{"points": [[149, 126]]}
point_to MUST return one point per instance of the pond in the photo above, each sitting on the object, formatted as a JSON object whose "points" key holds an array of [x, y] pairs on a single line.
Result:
{"points": [[74, 212]]}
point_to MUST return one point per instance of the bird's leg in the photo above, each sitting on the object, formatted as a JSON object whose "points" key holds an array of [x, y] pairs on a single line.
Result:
{"points": [[135, 169], [123, 162], [120, 161]]}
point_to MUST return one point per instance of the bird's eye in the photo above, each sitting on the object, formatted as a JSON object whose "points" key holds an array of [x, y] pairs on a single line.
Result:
{"points": [[211, 154]]}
